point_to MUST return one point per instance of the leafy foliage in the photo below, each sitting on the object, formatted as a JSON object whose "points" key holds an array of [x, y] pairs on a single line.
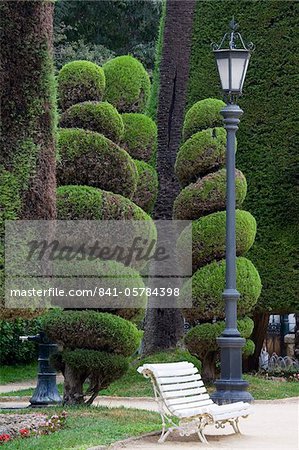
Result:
{"points": [[204, 152], [147, 186], [202, 115], [207, 195], [140, 136], [94, 116], [127, 84], [88, 158], [80, 81]]}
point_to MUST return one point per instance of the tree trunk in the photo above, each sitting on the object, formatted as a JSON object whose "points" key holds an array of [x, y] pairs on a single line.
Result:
{"points": [[73, 386], [258, 336], [209, 366], [164, 327]]}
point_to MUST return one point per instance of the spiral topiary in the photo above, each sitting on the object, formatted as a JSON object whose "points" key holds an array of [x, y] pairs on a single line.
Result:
{"points": [[80, 81], [203, 201], [203, 114], [140, 136], [127, 84], [88, 158], [94, 116], [147, 186]]}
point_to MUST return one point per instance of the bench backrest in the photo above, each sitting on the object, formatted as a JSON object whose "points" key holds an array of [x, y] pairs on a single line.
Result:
{"points": [[179, 385]]}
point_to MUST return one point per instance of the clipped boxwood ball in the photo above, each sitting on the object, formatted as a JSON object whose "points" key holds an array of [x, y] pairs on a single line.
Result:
{"points": [[203, 114], [208, 237], [204, 152], [127, 84], [207, 285], [140, 136], [92, 330], [94, 116], [89, 158], [147, 186], [80, 81], [207, 195]]}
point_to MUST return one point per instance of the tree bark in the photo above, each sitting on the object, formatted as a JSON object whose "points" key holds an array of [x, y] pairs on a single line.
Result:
{"points": [[73, 386], [258, 336], [209, 366], [164, 327]]}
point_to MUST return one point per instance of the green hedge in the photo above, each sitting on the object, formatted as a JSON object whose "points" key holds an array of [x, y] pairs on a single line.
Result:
{"points": [[127, 84], [202, 115], [140, 136], [13, 351], [208, 237], [169, 356], [94, 116], [204, 152], [207, 195], [80, 81], [88, 158], [92, 331], [208, 283], [268, 136], [147, 186]]}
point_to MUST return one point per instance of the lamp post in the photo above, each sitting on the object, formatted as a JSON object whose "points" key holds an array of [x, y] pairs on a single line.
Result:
{"points": [[232, 63]]}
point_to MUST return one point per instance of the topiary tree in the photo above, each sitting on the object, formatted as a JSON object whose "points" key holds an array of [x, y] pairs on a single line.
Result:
{"points": [[127, 84], [88, 158], [202, 342], [140, 136], [80, 81], [203, 152], [202, 115], [94, 348], [146, 191], [101, 117]]}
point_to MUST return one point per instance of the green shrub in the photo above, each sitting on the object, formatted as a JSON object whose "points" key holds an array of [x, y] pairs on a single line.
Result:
{"points": [[248, 348], [13, 351], [127, 84], [140, 136], [10, 200], [203, 114], [208, 237], [80, 81], [204, 152], [207, 195], [207, 285], [147, 186], [169, 356], [92, 330], [88, 158], [94, 116]]}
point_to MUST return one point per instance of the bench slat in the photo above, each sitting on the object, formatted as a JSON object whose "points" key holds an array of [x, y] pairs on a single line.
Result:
{"points": [[177, 372], [185, 406], [182, 379], [184, 392], [181, 386], [186, 400]]}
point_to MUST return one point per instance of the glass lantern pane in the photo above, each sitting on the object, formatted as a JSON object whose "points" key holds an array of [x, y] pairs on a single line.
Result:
{"points": [[222, 64], [239, 63]]}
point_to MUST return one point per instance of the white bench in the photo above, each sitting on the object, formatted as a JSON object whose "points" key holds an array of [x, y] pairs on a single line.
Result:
{"points": [[180, 393]]}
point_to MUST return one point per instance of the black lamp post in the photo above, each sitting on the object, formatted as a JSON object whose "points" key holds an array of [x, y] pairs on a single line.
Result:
{"points": [[232, 63]]}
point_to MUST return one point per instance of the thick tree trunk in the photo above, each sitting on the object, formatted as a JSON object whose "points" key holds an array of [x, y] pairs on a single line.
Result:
{"points": [[73, 386], [209, 366], [258, 336], [163, 327]]}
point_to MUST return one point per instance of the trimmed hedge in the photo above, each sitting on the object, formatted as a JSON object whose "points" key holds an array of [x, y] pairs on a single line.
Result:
{"points": [[92, 330], [208, 283], [94, 116], [88, 203], [202, 115], [127, 84], [208, 237], [267, 152], [88, 158], [204, 152], [207, 195], [202, 338], [80, 81], [13, 351], [147, 186], [169, 356], [140, 136]]}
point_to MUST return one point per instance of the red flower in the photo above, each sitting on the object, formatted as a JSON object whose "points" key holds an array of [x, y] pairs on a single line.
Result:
{"points": [[4, 437], [24, 432]]}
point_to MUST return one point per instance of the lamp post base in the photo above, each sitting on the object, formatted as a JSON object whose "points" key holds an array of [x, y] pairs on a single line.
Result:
{"points": [[231, 391]]}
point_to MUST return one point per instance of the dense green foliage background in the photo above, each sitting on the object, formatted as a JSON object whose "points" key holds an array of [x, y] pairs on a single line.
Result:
{"points": [[269, 132]]}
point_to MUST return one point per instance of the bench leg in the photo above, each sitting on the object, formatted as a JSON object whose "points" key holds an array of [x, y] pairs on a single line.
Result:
{"points": [[235, 424], [164, 435], [201, 434]]}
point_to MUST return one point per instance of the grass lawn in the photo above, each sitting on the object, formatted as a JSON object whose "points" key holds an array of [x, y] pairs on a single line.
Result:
{"points": [[90, 426], [132, 384], [14, 374]]}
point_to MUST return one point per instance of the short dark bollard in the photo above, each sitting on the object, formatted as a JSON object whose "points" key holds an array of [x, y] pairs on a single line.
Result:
{"points": [[46, 392]]}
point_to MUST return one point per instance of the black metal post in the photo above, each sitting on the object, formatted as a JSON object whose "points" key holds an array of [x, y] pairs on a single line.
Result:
{"points": [[46, 392], [231, 387]]}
